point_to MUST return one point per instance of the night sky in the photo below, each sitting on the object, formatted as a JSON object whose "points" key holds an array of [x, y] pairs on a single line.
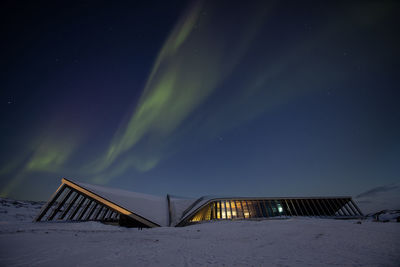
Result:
{"points": [[200, 97]]}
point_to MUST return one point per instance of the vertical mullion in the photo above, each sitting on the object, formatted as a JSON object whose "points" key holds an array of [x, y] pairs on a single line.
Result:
{"points": [[89, 202], [241, 205], [228, 203], [265, 208], [103, 213], [244, 202], [287, 207], [327, 207], [330, 201], [110, 214], [344, 202], [50, 203], [250, 208], [310, 207], [233, 206], [270, 210], [340, 206], [92, 209], [314, 207], [98, 212], [212, 210], [351, 207], [294, 208], [333, 211], [261, 210], [220, 209], [60, 204], [305, 207], [69, 206], [73, 213], [355, 206], [224, 211], [300, 208], [322, 212], [260, 207], [241, 208]]}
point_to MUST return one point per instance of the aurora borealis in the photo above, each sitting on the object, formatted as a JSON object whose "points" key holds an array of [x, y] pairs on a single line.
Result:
{"points": [[200, 97]]}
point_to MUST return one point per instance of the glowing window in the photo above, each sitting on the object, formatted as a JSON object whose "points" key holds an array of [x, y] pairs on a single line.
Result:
{"points": [[223, 210], [280, 209], [228, 210], [245, 210], [239, 209], [233, 207]]}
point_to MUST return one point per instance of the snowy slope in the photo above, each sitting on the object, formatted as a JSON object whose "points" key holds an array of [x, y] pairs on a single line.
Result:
{"points": [[153, 208], [379, 198], [18, 211], [289, 242]]}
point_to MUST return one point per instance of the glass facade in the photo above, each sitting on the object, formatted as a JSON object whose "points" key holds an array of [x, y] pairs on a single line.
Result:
{"points": [[72, 202], [231, 209]]}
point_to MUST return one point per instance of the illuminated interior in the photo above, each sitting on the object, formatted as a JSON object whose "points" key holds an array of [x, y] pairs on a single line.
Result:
{"points": [[231, 209]]}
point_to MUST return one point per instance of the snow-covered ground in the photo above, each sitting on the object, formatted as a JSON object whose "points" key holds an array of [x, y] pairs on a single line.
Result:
{"points": [[277, 242]]}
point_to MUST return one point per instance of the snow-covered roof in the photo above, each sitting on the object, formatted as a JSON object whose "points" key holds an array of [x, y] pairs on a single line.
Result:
{"points": [[153, 208], [178, 205]]}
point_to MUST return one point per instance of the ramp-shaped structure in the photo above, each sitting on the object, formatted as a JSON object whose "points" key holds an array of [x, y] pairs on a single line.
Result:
{"points": [[252, 208], [74, 201]]}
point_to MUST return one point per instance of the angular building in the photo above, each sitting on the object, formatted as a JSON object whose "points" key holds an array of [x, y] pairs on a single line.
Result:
{"points": [[75, 201]]}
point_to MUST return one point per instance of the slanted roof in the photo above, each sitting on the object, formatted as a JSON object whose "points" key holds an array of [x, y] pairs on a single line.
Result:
{"points": [[178, 206], [153, 208], [78, 201]]}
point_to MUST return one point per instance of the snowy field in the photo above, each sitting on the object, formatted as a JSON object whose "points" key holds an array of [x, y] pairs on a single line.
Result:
{"points": [[279, 242]]}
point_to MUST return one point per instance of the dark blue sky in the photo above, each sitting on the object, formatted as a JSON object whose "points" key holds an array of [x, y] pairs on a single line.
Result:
{"points": [[198, 97]]}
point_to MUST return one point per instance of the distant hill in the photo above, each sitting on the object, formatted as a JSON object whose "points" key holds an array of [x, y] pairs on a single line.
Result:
{"points": [[380, 198], [18, 211]]}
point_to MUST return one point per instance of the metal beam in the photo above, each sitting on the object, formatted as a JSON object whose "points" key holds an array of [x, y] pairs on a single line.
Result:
{"points": [[108, 203], [103, 215], [322, 211], [94, 206], [329, 210], [310, 206], [333, 210], [78, 206], [344, 207], [287, 207], [294, 208], [60, 204], [300, 207], [306, 208], [50, 203], [355, 206], [69, 206], [337, 207], [345, 201], [318, 212], [85, 208]]}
